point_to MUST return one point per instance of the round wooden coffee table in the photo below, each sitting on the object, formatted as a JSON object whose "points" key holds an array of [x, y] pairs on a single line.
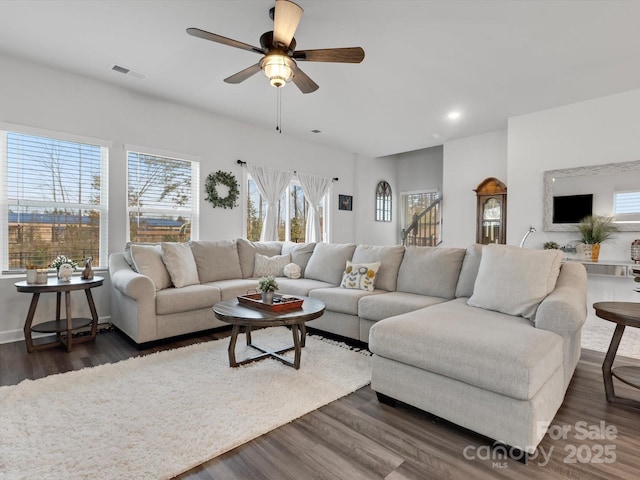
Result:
{"points": [[231, 311], [624, 314]]}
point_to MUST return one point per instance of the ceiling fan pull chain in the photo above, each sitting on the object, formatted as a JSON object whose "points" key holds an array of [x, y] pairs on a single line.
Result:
{"points": [[278, 110]]}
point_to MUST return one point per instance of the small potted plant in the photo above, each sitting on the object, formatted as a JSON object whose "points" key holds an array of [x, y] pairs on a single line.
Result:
{"points": [[61, 260], [551, 246], [595, 230], [267, 286]]}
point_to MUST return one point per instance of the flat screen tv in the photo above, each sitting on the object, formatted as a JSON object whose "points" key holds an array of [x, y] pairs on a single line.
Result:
{"points": [[572, 208]]}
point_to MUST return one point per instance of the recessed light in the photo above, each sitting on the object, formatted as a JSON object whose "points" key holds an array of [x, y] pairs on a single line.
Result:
{"points": [[316, 131], [453, 115]]}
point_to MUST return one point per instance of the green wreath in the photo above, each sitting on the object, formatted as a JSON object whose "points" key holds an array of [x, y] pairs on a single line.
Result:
{"points": [[228, 180]]}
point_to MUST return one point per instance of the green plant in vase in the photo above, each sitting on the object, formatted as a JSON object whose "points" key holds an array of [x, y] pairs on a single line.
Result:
{"points": [[267, 286], [595, 230]]}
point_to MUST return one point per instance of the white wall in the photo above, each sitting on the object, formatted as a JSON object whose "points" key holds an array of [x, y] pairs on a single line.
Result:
{"points": [[369, 173], [41, 97], [467, 162], [604, 130]]}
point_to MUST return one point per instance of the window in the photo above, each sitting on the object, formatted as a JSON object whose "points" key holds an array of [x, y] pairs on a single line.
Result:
{"points": [[626, 206], [54, 199], [383, 202], [292, 213], [162, 197], [414, 203]]}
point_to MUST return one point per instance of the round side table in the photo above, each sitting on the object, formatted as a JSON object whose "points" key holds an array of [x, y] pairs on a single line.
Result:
{"points": [[624, 314], [59, 326]]}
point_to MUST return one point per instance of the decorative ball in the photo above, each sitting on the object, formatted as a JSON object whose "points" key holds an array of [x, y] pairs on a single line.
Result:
{"points": [[292, 270], [65, 272]]}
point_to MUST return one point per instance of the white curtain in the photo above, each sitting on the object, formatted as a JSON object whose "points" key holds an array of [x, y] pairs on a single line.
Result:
{"points": [[314, 188], [271, 183]]}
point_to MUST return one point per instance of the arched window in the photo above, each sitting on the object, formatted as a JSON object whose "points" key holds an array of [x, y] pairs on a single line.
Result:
{"points": [[383, 202]]}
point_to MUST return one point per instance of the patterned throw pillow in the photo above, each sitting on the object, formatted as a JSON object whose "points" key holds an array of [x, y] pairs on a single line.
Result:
{"points": [[265, 266], [360, 276]]}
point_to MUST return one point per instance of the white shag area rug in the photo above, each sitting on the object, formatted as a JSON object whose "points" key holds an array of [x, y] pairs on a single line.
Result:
{"points": [[157, 416], [597, 333]]}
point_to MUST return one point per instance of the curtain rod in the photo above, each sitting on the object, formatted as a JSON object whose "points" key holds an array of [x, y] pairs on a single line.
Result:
{"points": [[242, 164]]}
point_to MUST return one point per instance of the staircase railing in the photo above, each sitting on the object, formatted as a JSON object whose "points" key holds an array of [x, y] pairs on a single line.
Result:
{"points": [[426, 228]]}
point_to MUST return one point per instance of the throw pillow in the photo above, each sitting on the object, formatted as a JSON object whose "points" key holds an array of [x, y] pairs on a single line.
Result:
{"points": [[515, 280], [265, 266], [360, 276], [180, 264], [216, 260], [300, 253], [292, 270], [148, 261], [247, 252], [389, 257], [328, 260]]}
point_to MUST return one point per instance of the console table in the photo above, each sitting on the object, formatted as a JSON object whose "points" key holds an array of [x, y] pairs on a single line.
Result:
{"points": [[624, 314], [60, 326]]}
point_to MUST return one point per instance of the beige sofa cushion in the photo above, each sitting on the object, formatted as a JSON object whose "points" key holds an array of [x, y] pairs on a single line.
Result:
{"points": [[341, 300], [390, 258], [469, 271], [328, 261], [216, 260], [247, 254], [431, 271], [489, 350], [300, 253], [178, 259], [515, 280], [148, 261], [186, 299], [377, 307]]}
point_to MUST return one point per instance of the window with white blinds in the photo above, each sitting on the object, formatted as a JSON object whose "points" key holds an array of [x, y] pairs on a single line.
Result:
{"points": [[626, 206], [54, 200], [162, 198]]}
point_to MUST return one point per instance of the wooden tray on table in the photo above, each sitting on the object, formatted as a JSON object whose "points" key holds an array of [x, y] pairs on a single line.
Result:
{"points": [[280, 302]]}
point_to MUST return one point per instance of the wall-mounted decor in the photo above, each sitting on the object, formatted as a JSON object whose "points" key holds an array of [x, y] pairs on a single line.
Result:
{"points": [[345, 202], [383, 202], [228, 180]]}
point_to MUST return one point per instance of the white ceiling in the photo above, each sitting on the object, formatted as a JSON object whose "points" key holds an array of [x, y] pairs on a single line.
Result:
{"points": [[489, 59]]}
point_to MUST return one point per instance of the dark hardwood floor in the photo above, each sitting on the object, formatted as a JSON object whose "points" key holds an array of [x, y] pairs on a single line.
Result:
{"points": [[356, 437]]}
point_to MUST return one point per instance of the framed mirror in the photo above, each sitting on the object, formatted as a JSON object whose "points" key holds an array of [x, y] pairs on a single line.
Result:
{"points": [[570, 193]]}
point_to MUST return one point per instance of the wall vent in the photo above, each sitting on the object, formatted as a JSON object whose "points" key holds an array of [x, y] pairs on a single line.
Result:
{"points": [[127, 71]]}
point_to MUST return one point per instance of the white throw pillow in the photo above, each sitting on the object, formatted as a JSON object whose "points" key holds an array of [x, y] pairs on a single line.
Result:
{"points": [[265, 266], [148, 261], [292, 270], [515, 280], [180, 264], [360, 276]]}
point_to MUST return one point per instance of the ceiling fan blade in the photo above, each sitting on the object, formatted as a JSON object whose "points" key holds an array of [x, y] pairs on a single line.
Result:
{"points": [[303, 82], [243, 74], [285, 21], [340, 55], [196, 32]]}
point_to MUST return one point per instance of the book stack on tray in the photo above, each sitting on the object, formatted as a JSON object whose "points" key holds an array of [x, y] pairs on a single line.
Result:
{"points": [[280, 302]]}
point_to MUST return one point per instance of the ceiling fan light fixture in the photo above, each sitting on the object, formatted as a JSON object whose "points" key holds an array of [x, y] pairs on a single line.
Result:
{"points": [[278, 69]]}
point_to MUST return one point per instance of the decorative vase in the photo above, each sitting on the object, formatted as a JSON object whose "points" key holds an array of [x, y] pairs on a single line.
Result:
{"points": [[595, 252], [267, 297]]}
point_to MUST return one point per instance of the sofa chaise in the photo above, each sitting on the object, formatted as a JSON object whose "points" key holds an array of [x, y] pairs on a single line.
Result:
{"points": [[485, 337]]}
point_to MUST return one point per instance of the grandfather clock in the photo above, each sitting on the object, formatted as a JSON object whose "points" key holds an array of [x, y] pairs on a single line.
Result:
{"points": [[491, 217]]}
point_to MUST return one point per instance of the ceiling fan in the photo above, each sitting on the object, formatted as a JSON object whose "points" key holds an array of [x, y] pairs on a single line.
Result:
{"points": [[279, 50]]}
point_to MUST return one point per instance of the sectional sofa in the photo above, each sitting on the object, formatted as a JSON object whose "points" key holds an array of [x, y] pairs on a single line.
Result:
{"points": [[485, 337]]}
